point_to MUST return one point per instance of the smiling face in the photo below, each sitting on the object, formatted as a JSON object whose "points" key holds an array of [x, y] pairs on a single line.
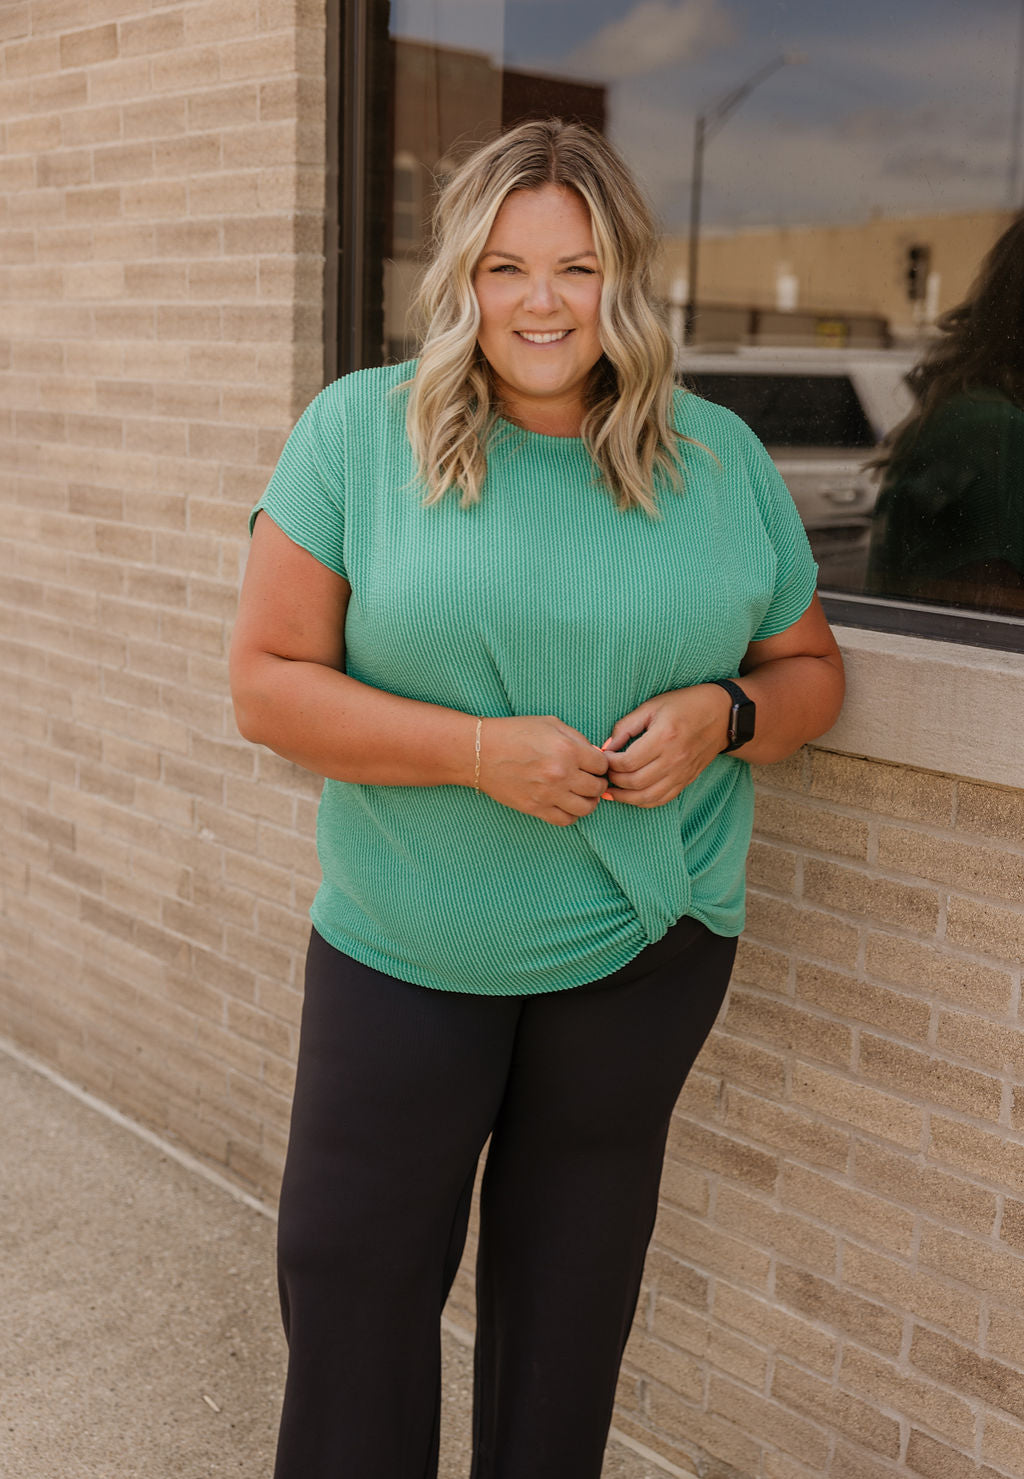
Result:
{"points": [[539, 289]]}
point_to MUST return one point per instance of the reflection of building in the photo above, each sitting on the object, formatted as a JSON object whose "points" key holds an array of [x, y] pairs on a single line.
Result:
{"points": [[840, 270], [443, 94]]}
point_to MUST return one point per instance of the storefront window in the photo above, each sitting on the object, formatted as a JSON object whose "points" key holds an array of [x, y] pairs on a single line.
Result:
{"points": [[830, 180]]}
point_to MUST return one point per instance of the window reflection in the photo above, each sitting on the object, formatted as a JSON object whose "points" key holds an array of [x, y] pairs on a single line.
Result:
{"points": [[949, 523], [846, 204]]}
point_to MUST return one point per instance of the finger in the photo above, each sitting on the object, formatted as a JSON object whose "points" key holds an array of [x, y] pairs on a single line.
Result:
{"points": [[639, 780], [589, 786], [627, 728], [646, 798], [642, 752], [593, 761]]}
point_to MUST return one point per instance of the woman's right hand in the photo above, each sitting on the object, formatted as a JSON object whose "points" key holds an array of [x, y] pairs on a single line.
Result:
{"points": [[542, 767]]}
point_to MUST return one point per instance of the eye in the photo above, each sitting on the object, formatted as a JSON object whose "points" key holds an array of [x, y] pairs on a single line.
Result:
{"points": [[504, 267], [585, 271]]}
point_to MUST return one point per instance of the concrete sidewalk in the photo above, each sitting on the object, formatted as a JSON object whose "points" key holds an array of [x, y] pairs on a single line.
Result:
{"points": [[139, 1333]]}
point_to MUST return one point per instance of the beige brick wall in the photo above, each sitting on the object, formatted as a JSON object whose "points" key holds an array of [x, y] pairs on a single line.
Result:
{"points": [[161, 269], [835, 1284], [837, 1280]]}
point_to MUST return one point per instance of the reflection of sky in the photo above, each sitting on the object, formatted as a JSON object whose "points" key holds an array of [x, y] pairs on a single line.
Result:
{"points": [[906, 109]]}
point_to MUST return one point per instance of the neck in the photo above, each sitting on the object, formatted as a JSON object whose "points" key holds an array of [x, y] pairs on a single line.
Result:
{"points": [[550, 420]]}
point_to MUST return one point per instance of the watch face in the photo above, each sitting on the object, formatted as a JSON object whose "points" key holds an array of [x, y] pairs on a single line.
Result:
{"points": [[743, 721]]}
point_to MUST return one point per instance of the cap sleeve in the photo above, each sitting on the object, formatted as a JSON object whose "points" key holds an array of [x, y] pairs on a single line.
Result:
{"points": [[306, 493], [796, 573]]}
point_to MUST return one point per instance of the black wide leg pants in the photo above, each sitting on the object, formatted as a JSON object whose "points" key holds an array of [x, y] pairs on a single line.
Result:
{"points": [[398, 1089]]}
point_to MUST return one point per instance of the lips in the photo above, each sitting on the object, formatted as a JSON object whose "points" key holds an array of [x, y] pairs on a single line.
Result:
{"points": [[551, 337]]}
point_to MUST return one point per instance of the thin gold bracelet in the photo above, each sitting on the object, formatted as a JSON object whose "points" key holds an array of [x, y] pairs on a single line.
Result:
{"points": [[476, 771]]}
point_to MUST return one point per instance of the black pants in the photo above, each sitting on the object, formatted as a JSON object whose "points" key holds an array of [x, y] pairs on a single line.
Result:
{"points": [[398, 1089]]}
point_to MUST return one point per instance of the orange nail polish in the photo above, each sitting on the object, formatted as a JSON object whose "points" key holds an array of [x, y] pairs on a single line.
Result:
{"points": [[607, 796]]}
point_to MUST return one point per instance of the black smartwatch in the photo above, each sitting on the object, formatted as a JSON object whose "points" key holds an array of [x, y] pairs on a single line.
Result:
{"points": [[741, 717]]}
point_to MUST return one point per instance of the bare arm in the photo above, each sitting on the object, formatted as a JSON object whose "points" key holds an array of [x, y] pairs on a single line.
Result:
{"points": [[291, 694], [795, 679]]}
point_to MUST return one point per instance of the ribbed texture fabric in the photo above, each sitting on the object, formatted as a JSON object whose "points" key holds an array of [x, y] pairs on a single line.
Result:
{"points": [[543, 598]]}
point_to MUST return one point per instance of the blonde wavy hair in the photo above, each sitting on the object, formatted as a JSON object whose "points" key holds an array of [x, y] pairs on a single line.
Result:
{"points": [[453, 404]]}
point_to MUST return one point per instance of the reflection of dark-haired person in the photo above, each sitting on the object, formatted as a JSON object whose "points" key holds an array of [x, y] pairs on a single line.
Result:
{"points": [[491, 596], [949, 524]]}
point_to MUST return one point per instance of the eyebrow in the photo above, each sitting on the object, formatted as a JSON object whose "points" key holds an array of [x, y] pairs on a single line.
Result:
{"points": [[511, 256]]}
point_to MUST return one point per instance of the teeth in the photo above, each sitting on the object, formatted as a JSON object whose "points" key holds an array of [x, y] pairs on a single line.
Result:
{"points": [[543, 338]]}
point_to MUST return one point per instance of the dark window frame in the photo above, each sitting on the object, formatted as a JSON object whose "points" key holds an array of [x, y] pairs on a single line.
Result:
{"points": [[360, 87]]}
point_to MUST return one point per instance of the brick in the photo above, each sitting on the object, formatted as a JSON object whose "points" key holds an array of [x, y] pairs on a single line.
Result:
{"points": [[869, 1217], [930, 1298], [775, 1328], [681, 1185], [989, 1043], [945, 1197], [805, 931], [262, 57], [971, 1262], [263, 143], [191, 239], [744, 1063], [1002, 1442], [217, 107], [692, 1142], [195, 154], [820, 828], [668, 1276], [83, 48], [15, 20], [221, 20], [34, 135], [162, 32], [185, 70], [934, 1460], [62, 168], [932, 969], [927, 1076], [888, 790], [991, 811], [774, 1422], [857, 1105], [123, 162], [974, 925], [712, 1250], [847, 1313], [1012, 1227], [859, 1420], [783, 1232], [154, 120], [885, 1384], [787, 1027], [836, 992], [964, 866], [795, 1133], [31, 57], [225, 194], [863, 894], [958, 1366]]}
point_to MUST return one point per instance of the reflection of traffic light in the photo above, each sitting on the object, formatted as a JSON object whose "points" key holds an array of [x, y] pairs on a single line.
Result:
{"points": [[918, 262]]}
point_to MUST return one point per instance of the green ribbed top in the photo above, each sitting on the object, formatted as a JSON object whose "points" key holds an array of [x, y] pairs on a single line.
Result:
{"points": [[543, 598]]}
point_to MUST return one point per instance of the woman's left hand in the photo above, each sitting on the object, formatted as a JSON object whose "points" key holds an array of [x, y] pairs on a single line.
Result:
{"points": [[675, 736]]}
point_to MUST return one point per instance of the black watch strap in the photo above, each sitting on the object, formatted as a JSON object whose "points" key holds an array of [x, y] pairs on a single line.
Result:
{"points": [[741, 717]]}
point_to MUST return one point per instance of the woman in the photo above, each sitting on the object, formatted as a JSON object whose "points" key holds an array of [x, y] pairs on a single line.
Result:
{"points": [[949, 523], [491, 597]]}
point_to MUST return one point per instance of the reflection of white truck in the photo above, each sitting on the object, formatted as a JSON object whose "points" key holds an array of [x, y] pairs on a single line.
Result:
{"points": [[820, 413]]}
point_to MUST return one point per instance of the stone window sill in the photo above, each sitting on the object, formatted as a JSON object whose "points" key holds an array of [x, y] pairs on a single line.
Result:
{"points": [[932, 705]]}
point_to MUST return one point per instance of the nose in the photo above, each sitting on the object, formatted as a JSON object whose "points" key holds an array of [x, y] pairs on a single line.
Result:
{"points": [[541, 296]]}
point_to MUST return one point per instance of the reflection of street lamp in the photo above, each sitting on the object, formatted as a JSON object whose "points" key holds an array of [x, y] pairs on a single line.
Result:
{"points": [[704, 128]]}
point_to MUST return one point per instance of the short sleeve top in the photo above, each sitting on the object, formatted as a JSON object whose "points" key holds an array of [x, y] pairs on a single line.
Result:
{"points": [[542, 598]]}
